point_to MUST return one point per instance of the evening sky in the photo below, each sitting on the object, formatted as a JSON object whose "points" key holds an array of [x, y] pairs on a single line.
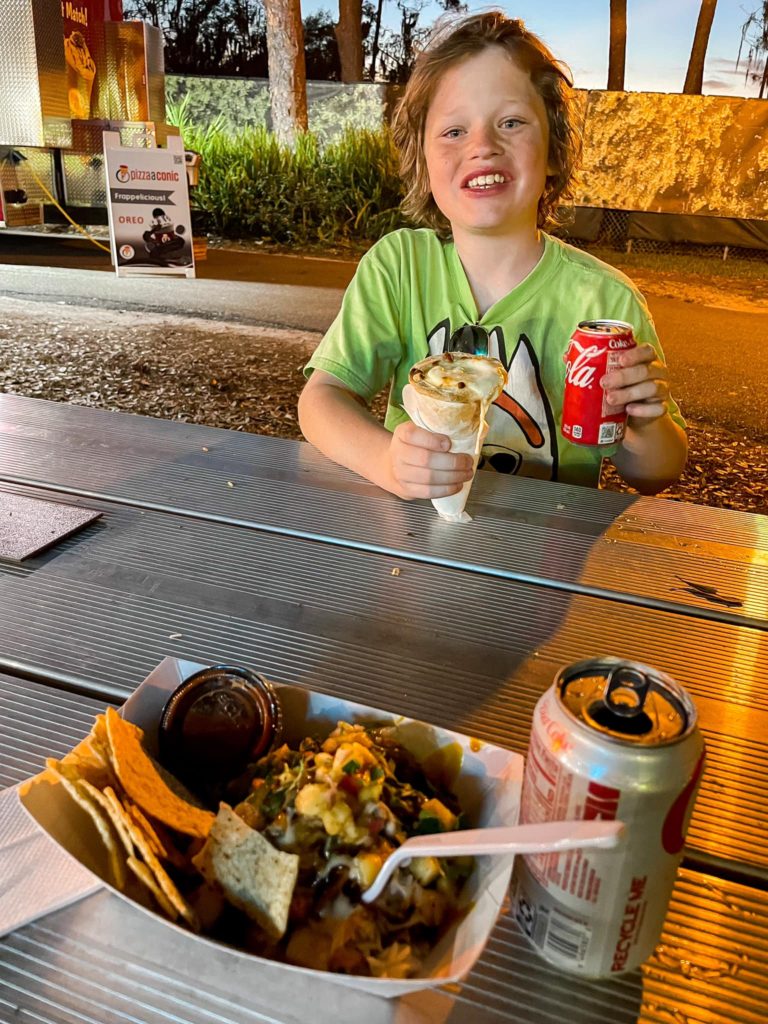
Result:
{"points": [[659, 37]]}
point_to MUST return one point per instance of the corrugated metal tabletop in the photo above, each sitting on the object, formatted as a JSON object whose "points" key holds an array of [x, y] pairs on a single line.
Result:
{"points": [[460, 649], [645, 551], [102, 961]]}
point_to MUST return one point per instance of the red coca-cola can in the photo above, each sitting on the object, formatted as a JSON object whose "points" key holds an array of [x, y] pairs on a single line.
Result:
{"points": [[594, 349]]}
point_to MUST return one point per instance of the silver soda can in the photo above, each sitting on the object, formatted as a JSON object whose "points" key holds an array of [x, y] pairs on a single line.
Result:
{"points": [[616, 740]]}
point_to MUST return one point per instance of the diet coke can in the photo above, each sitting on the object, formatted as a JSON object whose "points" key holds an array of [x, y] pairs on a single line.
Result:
{"points": [[614, 740], [594, 349]]}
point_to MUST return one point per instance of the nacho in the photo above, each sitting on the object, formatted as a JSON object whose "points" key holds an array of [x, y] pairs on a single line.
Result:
{"points": [[107, 807], [97, 816], [158, 838], [253, 875], [90, 758], [149, 785], [180, 906], [147, 879]]}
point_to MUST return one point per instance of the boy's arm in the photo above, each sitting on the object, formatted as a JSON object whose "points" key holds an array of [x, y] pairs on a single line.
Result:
{"points": [[411, 462], [654, 450], [653, 453]]}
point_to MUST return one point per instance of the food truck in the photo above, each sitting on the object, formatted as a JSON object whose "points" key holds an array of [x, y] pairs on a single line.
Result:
{"points": [[69, 71]]}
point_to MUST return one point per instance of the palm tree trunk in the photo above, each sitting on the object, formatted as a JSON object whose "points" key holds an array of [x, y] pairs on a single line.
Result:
{"points": [[617, 49], [349, 39], [694, 78], [287, 70]]}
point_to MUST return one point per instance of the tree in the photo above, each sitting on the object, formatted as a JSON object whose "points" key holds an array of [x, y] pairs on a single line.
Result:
{"points": [[617, 46], [374, 50], [321, 53], [397, 50], [754, 32], [208, 37], [287, 72], [349, 37], [694, 78]]}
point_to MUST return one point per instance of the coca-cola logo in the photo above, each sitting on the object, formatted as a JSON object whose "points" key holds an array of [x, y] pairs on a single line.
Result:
{"points": [[580, 372], [673, 830], [602, 802]]}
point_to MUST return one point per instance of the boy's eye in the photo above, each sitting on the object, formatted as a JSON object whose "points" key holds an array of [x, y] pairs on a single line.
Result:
{"points": [[512, 122], [452, 133]]}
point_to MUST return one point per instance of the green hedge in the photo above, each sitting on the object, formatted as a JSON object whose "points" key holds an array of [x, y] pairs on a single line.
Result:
{"points": [[251, 187], [235, 104]]}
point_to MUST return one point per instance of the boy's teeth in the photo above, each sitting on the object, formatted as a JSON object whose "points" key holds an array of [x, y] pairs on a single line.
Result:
{"points": [[485, 180]]}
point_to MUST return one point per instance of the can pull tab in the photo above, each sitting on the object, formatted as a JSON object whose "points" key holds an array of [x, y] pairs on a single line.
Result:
{"points": [[626, 691]]}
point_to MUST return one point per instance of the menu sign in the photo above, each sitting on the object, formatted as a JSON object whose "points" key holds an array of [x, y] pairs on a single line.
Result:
{"points": [[150, 223], [84, 49]]}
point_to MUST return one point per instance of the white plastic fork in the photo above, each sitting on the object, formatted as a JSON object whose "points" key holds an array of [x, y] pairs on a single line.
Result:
{"points": [[546, 837]]}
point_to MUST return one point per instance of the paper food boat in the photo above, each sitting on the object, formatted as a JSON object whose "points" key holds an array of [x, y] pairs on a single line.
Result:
{"points": [[487, 786]]}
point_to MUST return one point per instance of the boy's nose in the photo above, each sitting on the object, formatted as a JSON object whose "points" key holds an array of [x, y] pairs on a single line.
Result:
{"points": [[484, 142]]}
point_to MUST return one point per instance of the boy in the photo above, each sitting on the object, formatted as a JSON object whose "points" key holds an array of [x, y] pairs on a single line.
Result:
{"points": [[488, 147]]}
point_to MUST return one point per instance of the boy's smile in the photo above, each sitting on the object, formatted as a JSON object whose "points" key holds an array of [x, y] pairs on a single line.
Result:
{"points": [[486, 142]]}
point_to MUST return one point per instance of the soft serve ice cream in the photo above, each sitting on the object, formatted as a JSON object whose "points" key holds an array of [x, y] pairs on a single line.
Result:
{"points": [[451, 394]]}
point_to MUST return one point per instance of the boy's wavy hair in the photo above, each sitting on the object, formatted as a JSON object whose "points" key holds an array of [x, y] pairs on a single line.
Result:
{"points": [[449, 45]]}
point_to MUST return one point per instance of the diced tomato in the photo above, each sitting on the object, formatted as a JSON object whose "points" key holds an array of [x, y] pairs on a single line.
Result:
{"points": [[301, 905], [375, 825], [350, 784]]}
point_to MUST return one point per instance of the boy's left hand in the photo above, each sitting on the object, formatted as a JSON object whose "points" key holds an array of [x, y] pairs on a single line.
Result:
{"points": [[640, 384]]}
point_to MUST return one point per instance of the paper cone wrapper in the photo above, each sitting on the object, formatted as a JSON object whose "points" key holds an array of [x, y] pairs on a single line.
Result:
{"points": [[425, 412]]}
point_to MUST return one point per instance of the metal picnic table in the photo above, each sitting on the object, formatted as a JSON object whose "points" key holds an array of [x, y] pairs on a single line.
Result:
{"points": [[312, 576], [642, 551]]}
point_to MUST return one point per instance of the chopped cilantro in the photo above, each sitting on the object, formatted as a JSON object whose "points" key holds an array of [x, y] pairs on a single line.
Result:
{"points": [[376, 773], [427, 826], [273, 803], [350, 767]]}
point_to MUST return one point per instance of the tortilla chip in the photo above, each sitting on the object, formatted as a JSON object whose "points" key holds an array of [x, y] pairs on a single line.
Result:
{"points": [[107, 807], [145, 876], [150, 833], [180, 906], [158, 837], [254, 876], [149, 785], [90, 760], [97, 816], [99, 730]]}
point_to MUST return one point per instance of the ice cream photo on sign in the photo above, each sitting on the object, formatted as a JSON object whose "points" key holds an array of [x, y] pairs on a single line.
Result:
{"points": [[450, 394]]}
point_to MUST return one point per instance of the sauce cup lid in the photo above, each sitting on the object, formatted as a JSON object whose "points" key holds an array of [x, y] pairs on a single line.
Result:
{"points": [[217, 722]]}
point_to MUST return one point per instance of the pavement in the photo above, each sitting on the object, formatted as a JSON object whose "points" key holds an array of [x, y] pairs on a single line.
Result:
{"points": [[719, 357]]}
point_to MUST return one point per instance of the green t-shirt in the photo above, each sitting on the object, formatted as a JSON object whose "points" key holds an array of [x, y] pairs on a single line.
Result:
{"points": [[410, 293]]}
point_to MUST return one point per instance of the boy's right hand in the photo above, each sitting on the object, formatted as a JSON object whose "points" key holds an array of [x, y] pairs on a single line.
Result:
{"points": [[423, 466]]}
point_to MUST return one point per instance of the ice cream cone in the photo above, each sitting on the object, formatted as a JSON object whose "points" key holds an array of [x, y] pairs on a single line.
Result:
{"points": [[450, 394]]}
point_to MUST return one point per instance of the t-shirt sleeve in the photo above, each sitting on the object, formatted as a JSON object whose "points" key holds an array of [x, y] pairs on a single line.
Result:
{"points": [[363, 347], [639, 315]]}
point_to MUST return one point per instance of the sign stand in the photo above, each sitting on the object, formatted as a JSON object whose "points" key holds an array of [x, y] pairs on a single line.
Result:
{"points": [[150, 223]]}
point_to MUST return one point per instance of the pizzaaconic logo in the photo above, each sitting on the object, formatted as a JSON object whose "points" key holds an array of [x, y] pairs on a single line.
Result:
{"points": [[124, 174]]}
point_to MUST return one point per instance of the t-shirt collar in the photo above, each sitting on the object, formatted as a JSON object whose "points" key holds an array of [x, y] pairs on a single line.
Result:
{"points": [[516, 298]]}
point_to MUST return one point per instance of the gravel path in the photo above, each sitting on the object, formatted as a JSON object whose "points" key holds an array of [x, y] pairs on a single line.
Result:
{"points": [[246, 378]]}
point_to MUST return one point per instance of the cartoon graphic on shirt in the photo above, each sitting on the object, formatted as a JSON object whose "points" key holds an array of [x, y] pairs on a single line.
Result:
{"points": [[521, 426]]}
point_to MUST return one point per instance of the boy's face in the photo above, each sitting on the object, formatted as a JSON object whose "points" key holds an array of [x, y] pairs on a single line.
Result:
{"points": [[486, 144]]}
